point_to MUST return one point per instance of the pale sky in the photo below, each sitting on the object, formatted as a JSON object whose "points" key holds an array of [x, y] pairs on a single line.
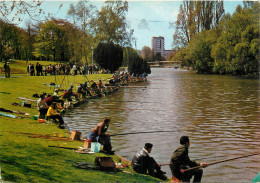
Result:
{"points": [[158, 17]]}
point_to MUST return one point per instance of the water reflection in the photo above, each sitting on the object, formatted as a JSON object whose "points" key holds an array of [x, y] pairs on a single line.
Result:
{"points": [[219, 113]]}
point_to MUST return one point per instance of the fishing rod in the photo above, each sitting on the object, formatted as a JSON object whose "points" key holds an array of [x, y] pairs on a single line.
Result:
{"points": [[225, 160], [198, 159], [222, 156], [122, 109], [64, 147], [142, 132], [62, 80]]}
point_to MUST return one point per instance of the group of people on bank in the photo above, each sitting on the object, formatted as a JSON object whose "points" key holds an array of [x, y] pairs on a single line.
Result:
{"points": [[49, 105], [144, 163], [60, 69]]}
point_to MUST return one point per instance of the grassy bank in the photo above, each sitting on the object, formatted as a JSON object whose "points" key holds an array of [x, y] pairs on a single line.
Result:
{"points": [[24, 152]]}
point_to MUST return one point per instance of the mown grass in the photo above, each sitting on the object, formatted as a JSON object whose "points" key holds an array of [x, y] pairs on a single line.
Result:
{"points": [[27, 159]]}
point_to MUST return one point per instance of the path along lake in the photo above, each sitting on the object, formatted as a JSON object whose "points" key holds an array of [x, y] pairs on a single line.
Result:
{"points": [[220, 114]]}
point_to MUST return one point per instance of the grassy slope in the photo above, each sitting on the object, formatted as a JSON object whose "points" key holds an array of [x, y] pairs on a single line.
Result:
{"points": [[25, 159]]}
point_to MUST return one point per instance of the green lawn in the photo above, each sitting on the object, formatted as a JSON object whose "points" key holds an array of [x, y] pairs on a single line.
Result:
{"points": [[27, 159]]}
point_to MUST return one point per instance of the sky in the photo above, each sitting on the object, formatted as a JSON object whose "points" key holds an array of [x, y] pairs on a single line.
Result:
{"points": [[157, 16]]}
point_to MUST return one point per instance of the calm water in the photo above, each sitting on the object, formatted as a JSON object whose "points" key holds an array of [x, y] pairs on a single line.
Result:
{"points": [[220, 114]]}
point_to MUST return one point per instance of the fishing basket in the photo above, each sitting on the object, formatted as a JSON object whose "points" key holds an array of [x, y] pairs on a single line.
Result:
{"points": [[105, 163]]}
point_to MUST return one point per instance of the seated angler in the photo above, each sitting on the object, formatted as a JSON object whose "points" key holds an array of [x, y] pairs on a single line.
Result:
{"points": [[53, 114], [80, 91], [56, 97], [98, 135], [42, 106], [85, 88], [100, 84], [94, 87], [180, 161], [68, 94], [48, 100], [143, 163]]}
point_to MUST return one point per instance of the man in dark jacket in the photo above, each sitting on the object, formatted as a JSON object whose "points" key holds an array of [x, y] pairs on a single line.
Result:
{"points": [[143, 162], [180, 161]]}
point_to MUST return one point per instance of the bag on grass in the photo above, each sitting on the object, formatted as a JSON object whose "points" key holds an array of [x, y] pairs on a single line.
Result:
{"points": [[105, 163]]}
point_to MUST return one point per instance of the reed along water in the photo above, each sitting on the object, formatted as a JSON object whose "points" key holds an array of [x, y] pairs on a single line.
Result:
{"points": [[220, 114]]}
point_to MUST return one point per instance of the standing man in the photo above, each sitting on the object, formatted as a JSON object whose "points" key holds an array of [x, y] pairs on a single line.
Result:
{"points": [[180, 161], [143, 162], [7, 69], [98, 135], [37, 69]]}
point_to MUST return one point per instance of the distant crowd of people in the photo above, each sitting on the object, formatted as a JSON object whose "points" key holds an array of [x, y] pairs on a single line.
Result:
{"points": [[60, 69]]}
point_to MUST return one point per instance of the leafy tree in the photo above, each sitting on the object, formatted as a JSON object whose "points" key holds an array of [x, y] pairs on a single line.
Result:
{"points": [[110, 24], [28, 41], [208, 14], [127, 55], [10, 41], [138, 66], [146, 53], [82, 14], [158, 57], [232, 52], [49, 40], [247, 51], [183, 24], [199, 51], [194, 17], [109, 56]]}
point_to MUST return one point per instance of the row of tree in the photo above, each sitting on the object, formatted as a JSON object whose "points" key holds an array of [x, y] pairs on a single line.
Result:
{"points": [[213, 42], [111, 56], [72, 40]]}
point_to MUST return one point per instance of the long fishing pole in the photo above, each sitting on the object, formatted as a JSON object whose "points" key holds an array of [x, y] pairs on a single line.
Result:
{"points": [[142, 132], [198, 159], [62, 80], [225, 160]]}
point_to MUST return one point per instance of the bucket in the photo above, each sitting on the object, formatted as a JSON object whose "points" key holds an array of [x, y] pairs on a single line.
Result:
{"points": [[95, 147], [24, 102], [34, 117]]}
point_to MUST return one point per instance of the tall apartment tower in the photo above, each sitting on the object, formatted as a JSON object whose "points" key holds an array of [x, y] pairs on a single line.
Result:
{"points": [[158, 45]]}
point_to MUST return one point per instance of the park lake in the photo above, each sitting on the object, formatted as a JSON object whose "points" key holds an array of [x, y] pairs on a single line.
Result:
{"points": [[219, 113]]}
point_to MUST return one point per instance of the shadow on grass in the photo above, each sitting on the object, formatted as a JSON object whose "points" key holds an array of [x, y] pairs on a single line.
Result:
{"points": [[25, 170], [5, 92]]}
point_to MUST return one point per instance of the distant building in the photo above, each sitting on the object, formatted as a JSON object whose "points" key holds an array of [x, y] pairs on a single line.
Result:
{"points": [[158, 46]]}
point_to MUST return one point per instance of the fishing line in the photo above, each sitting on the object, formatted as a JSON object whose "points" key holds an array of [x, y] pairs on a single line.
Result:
{"points": [[132, 133], [221, 161]]}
